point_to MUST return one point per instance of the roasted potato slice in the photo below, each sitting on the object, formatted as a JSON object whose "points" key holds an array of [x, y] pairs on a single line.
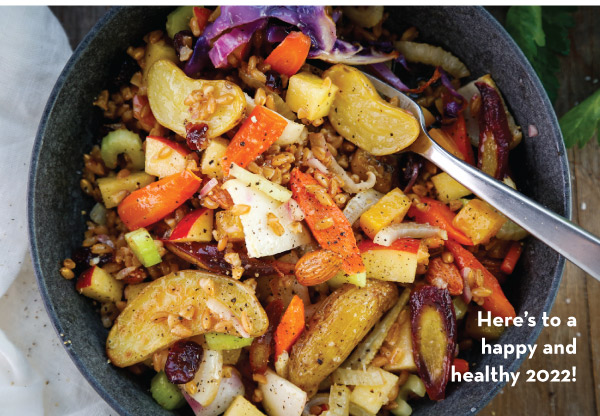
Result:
{"points": [[151, 321], [345, 317], [168, 89], [362, 117]]}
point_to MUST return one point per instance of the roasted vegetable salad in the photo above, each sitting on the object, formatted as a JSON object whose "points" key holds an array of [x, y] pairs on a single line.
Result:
{"points": [[263, 243]]}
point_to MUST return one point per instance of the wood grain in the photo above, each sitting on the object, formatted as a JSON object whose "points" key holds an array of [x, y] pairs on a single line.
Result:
{"points": [[579, 294]]}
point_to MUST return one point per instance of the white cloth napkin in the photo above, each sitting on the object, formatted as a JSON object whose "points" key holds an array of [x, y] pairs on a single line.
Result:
{"points": [[37, 376]]}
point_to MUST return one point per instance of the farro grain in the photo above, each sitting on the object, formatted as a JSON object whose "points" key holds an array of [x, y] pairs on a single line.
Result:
{"points": [[67, 273], [223, 326], [447, 257], [270, 102], [274, 224], [324, 224], [69, 263], [259, 378], [257, 396]]}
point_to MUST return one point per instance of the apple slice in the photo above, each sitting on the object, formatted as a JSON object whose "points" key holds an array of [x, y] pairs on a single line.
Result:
{"points": [[164, 157], [396, 263], [197, 226], [100, 285]]}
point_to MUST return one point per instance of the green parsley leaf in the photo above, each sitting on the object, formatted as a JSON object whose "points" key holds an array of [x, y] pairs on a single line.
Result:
{"points": [[582, 121], [556, 23], [524, 23], [541, 33]]}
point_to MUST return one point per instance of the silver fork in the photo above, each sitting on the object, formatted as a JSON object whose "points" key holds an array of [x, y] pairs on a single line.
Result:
{"points": [[568, 239]]}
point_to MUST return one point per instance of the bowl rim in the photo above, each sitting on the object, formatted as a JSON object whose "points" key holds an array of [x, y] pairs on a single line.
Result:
{"points": [[32, 180]]}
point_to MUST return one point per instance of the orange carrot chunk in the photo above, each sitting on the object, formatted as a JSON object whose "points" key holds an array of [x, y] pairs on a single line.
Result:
{"points": [[290, 55], [157, 200], [290, 327], [260, 130], [338, 235], [458, 132], [460, 366], [510, 261], [496, 302], [438, 214]]}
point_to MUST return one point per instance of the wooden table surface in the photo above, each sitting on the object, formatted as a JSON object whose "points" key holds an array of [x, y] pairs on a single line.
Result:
{"points": [[579, 294]]}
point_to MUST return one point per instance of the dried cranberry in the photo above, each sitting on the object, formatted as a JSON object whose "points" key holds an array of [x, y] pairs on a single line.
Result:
{"points": [[182, 41], [122, 71], [410, 165], [183, 362], [82, 256], [196, 135], [273, 83]]}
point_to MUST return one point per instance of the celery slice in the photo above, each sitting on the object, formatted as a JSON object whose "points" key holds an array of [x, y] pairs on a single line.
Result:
{"points": [[357, 279], [166, 393], [460, 307], [141, 243], [98, 214], [219, 342], [122, 141], [413, 385], [179, 19]]}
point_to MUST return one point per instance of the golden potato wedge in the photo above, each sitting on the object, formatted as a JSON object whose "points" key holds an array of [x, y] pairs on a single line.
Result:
{"points": [[144, 325], [360, 115], [168, 88], [339, 324]]}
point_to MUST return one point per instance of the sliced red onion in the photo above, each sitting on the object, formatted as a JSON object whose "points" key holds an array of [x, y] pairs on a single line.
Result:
{"points": [[123, 273], [318, 400], [291, 211], [532, 131], [354, 53], [223, 312], [232, 40], [393, 232], [349, 185], [229, 389], [208, 187], [466, 295], [317, 164], [208, 377], [361, 202], [105, 239]]}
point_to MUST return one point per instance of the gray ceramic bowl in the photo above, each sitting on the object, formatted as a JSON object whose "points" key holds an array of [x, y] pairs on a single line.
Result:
{"points": [[70, 125]]}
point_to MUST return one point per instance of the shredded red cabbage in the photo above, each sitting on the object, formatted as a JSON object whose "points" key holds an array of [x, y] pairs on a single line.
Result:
{"points": [[402, 61], [313, 21], [230, 41], [452, 107], [383, 72], [276, 33], [200, 59]]}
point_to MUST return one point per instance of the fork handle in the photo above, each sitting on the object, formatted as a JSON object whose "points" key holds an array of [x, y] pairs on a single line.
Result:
{"points": [[576, 244]]}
